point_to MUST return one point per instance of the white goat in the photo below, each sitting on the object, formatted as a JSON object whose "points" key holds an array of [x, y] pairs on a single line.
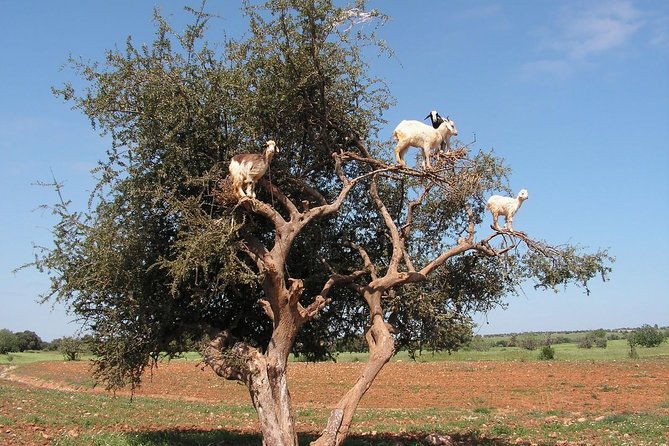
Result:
{"points": [[416, 134], [247, 168], [506, 206]]}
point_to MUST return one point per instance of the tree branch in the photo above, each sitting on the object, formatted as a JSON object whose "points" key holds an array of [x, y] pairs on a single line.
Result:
{"points": [[281, 198], [367, 261], [398, 245]]}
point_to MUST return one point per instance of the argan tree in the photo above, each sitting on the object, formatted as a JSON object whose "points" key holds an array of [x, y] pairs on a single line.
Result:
{"points": [[339, 242]]}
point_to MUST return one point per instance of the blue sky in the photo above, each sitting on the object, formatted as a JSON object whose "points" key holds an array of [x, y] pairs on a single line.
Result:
{"points": [[573, 94]]}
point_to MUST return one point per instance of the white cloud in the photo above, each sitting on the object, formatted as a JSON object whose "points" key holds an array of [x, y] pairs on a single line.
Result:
{"points": [[597, 29], [583, 31]]}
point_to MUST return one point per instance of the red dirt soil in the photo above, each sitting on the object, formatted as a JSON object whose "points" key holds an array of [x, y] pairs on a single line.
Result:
{"points": [[597, 387], [573, 388]]}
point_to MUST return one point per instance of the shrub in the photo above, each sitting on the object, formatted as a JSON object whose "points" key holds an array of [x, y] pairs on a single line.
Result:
{"points": [[633, 353], [71, 348], [479, 344], [561, 339], [529, 342], [647, 336], [596, 338], [585, 342], [547, 353]]}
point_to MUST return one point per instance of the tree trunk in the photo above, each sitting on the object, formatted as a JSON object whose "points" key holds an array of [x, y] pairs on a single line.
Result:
{"points": [[381, 349], [271, 399], [265, 378]]}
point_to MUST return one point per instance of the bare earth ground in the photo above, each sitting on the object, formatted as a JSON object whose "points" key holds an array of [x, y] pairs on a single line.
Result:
{"points": [[579, 389]]}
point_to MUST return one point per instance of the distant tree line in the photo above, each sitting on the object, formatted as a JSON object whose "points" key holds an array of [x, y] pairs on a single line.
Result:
{"points": [[22, 341], [645, 336], [71, 347]]}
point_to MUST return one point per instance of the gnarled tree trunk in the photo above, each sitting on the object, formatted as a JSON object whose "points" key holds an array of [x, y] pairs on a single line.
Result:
{"points": [[265, 377], [381, 349]]}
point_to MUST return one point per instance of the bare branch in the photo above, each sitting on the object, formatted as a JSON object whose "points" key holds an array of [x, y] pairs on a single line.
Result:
{"points": [[406, 228], [461, 247], [253, 248], [398, 245], [295, 290], [281, 197], [312, 309], [322, 299], [369, 266], [263, 209], [471, 226], [267, 308], [320, 199]]}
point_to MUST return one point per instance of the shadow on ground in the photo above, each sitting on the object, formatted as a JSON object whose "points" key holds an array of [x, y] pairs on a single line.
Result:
{"points": [[231, 438]]}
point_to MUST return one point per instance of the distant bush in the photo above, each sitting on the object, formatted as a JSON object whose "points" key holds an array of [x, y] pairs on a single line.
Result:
{"points": [[479, 344], [8, 342], [547, 353], [647, 336], [561, 340], [528, 342], [71, 348], [595, 338], [585, 342], [633, 353]]}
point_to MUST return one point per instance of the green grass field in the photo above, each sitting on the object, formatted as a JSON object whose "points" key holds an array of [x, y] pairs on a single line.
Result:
{"points": [[617, 350]]}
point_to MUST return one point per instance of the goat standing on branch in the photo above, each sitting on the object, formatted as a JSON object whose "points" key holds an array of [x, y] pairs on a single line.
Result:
{"points": [[506, 206], [410, 133], [247, 168]]}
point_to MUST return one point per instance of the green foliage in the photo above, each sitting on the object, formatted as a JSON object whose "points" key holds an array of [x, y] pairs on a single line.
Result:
{"points": [[547, 353], [633, 353], [154, 262], [551, 267], [71, 348], [435, 315], [8, 342], [529, 342], [479, 344], [647, 336], [595, 338], [28, 340]]}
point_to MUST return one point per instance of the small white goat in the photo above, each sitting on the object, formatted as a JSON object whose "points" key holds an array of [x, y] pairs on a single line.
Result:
{"points": [[411, 133], [506, 206], [247, 168]]}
